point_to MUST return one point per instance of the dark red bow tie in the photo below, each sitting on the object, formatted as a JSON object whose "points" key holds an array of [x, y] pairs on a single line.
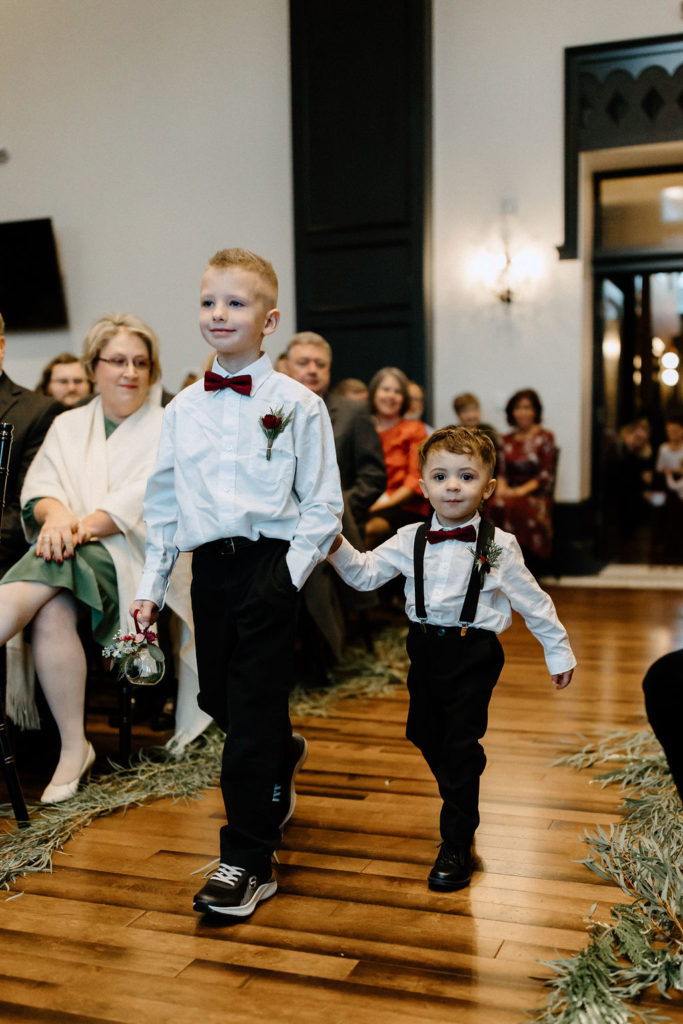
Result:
{"points": [[214, 382], [459, 533]]}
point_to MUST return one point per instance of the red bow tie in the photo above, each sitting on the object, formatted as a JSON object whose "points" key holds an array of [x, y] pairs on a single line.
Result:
{"points": [[214, 382], [459, 533]]}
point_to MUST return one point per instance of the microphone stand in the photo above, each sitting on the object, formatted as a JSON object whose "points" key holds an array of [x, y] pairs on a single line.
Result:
{"points": [[6, 754]]}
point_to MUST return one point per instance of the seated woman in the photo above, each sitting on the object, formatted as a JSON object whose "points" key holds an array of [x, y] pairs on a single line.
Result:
{"points": [[82, 504], [65, 380], [523, 500], [402, 501]]}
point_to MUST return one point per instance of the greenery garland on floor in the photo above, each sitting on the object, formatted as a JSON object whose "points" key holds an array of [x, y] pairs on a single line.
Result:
{"points": [[642, 946], [157, 773]]}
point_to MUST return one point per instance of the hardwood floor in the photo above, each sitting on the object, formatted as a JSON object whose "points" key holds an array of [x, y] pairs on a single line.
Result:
{"points": [[353, 933]]}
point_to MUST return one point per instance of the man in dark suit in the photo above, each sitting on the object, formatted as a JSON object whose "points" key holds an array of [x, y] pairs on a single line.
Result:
{"points": [[30, 414], [363, 479]]}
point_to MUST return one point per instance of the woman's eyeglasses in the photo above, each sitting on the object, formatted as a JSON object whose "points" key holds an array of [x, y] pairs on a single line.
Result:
{"points": [[120, 362]]}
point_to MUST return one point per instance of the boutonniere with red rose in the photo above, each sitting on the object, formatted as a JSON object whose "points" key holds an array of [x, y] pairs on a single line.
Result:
{"points": [[486, 559], [273, 424]]}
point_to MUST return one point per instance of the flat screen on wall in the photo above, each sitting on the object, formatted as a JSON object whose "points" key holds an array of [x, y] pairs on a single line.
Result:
{"points": [[31, 291]]}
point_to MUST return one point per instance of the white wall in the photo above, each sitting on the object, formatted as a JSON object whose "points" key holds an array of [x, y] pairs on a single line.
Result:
{"points": [[153, 132], [498, 136]]}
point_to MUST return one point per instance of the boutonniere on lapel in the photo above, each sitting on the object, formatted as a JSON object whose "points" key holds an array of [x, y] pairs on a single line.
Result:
{"points": [[273, 424], [486, 559]]}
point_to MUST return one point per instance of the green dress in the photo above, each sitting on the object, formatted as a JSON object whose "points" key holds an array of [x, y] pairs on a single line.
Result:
{"points": [[90, 575]]}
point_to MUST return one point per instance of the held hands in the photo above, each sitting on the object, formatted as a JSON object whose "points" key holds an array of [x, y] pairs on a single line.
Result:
{"points": [[336, 543], [562, 679], [147, 613]]}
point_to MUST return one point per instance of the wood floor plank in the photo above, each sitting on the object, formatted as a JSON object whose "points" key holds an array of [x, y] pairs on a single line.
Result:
{"points": [[353, 933]]}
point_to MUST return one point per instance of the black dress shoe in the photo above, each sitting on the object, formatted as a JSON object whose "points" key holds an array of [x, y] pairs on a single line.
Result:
{"points": [[452, 868]]}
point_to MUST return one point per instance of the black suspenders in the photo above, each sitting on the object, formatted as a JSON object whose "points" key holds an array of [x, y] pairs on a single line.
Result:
{"points": [[469, 608]]}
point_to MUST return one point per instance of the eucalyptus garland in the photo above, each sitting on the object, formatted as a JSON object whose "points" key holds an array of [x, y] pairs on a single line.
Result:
{"points": [[157, 772], [640, 949]]}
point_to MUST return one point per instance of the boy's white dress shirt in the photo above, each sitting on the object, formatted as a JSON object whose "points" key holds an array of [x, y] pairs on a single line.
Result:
{"points": [[447, 570], [213, 480]]}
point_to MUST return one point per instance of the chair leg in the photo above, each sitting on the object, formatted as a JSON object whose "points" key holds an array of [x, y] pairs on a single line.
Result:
{"points": [[124, 720], [11, 778], [366, 632]]}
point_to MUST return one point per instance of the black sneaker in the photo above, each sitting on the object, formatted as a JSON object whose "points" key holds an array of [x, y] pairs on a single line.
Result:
{"points": [[452, 868], [298, 755], [235, 891]]}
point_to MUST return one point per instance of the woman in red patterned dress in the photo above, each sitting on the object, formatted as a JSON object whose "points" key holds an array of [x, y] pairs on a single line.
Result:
{"points": [[523, 500]]}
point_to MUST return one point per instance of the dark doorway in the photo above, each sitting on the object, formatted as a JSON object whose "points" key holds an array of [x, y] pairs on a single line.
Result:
{"points": [[639, 334], [638, 453]]}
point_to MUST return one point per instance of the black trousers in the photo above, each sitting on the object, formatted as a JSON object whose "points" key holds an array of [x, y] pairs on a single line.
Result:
{"points": [[663, 688], [450, 681], [244, 606]]}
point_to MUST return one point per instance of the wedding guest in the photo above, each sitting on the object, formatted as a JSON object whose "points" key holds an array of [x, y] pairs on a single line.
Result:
{"points": [[664, 706], [30, 415], [82, 507], [65, 380], [402, 502], [468, 410], [523, 502], [416, 407], [363, 478], [351, 387]]}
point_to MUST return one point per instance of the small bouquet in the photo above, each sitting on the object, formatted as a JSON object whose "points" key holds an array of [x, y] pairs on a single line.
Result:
{"points": [[141, 660]]}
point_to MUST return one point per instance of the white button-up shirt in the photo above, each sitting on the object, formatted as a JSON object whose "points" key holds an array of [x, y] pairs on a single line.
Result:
{"points": [[213, 478], [447, 570]]}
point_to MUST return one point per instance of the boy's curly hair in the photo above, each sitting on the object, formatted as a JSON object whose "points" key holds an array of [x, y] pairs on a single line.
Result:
{"points": [[460, 441]]}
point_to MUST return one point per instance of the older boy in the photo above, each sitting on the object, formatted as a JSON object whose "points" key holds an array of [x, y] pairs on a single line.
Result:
{"points": [[246, 479], [458, 597]]}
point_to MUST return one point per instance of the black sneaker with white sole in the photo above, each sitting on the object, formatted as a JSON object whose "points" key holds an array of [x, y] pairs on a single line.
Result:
{"points": [[235, 891], [299, 752]]}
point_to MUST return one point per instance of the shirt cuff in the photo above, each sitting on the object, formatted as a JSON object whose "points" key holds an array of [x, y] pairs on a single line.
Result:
{"points": [[152, 587], [299, 568], [559, 663]]}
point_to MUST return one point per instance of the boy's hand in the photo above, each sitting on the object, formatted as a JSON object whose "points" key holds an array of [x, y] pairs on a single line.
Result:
{"points": [[147, 613], [562, 679], [336, 543]]}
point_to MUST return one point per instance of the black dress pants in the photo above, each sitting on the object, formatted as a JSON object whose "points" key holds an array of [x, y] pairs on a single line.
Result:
{"points": [[663, 688], [450, 681], [244, 606]]}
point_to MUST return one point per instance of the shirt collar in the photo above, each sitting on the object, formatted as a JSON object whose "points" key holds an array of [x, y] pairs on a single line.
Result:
{"points": [[259, 370], [436, 525]]}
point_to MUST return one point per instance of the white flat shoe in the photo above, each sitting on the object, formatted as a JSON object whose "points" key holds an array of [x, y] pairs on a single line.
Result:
{"points": [[56, 794]]}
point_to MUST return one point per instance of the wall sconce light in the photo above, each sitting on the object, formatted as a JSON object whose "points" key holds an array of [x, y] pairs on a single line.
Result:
{"points": [[510, 266]]}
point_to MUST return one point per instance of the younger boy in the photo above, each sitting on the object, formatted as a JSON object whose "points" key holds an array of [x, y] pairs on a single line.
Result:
{"points": [[458, 597], [246, 479]]}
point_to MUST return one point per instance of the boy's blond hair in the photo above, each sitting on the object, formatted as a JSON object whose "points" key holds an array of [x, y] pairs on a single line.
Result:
{"points": [[460, 441], [2, 324], [224, 259]]}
